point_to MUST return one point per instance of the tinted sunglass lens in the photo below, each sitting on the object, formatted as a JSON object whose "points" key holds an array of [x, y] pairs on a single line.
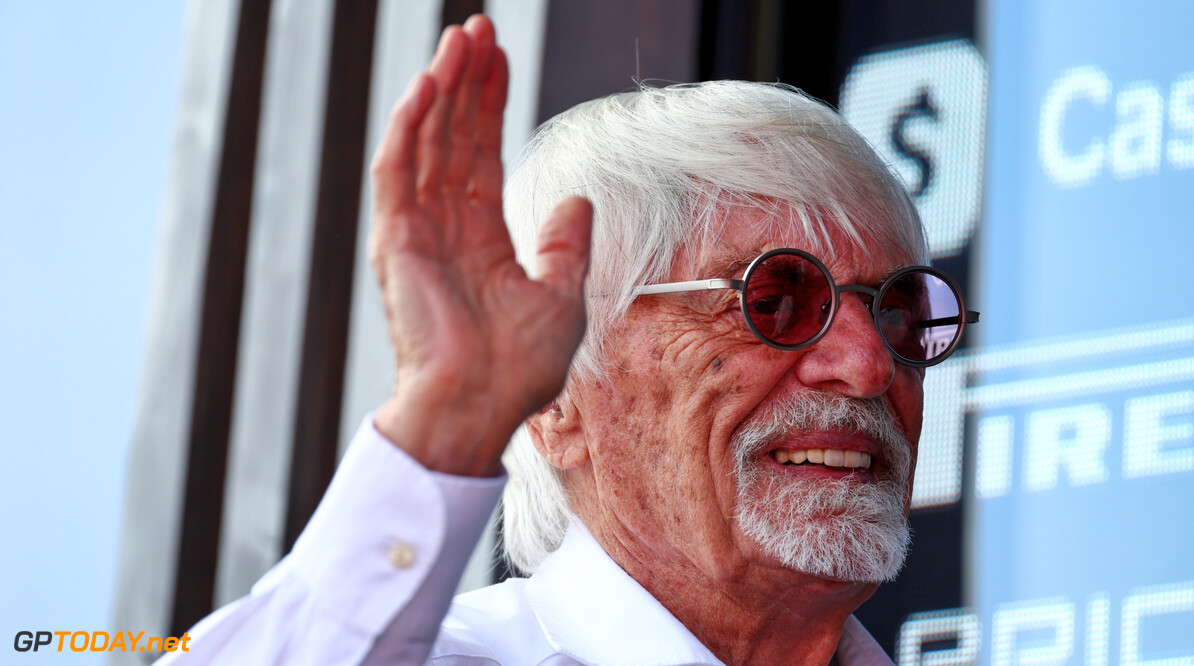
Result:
{"points": [[919, 315], [788, 299]]}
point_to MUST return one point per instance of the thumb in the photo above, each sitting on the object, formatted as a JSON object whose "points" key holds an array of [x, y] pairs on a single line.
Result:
{"points": [[562, 257]]}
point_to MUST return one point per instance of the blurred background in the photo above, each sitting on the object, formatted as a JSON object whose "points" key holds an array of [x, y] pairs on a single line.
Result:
{"points": [[190, 334]]}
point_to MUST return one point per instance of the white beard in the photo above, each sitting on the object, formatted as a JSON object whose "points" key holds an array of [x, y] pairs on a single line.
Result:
{"points": [[840, 530]]}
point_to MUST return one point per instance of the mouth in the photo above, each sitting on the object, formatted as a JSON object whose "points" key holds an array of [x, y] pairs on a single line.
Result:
{"points": [[833, 458], [846, 457]]}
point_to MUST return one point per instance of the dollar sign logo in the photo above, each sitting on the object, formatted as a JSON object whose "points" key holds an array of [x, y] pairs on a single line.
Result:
{"points": [[921, 107]]}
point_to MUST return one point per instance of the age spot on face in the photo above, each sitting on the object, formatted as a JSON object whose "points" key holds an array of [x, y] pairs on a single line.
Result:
{"points": [[716, 363]]}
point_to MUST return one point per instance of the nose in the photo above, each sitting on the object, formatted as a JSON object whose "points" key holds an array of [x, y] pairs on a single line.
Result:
{"points": [[850, 359]]}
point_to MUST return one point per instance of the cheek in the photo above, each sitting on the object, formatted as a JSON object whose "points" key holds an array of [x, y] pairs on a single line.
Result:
{"points": [[907, 398], [683, 365], [912, 402], [713, 386], [666, 425], [685, 384]]}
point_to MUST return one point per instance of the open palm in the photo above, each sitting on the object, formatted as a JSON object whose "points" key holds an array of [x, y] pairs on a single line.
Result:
{"points": [[479, 345]]}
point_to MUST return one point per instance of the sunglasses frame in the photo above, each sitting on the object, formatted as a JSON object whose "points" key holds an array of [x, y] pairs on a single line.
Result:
{"points": [[876, 295]]}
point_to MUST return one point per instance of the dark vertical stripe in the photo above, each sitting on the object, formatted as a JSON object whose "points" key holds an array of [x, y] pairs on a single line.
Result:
{"points": [[729, 32], [456, 12], [592, 49], [708, 67], [809, 41], [223, 287], [333, 254], [770, 40]]}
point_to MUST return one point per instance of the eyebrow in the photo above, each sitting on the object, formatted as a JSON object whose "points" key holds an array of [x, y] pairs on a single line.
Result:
{"points": [[729, 269], [890, 272]]}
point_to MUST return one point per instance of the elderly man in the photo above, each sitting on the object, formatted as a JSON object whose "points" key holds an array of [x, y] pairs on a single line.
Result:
{"points": [[721, 473]]}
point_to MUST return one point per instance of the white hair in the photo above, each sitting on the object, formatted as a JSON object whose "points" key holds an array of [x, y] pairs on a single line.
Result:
{"points": [[663, 167]]}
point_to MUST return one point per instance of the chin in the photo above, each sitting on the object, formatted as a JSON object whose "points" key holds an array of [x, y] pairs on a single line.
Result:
{"points": [[839, 532]]}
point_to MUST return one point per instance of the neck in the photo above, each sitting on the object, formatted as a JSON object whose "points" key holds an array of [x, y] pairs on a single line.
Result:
{"points": [[744, 612]]}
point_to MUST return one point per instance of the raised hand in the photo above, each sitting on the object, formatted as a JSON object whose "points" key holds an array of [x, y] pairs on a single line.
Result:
{"points": [[479, 345]]}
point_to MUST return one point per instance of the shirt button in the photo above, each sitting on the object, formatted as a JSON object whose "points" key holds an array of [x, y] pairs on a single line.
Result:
{"points": [[401, 555]]}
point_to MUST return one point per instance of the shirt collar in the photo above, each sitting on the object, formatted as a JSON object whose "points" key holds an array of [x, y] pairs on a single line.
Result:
{"points": [[593, 611], [596, 613]]}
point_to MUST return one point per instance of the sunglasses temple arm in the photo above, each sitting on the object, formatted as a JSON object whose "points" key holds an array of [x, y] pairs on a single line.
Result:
{"points": [[691, 285], [971, 318]]}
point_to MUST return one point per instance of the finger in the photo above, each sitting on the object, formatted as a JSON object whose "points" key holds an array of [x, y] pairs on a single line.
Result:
{"points": [[394, 163], [447, 69], [461, 132], [486, 185], [562, 259]]}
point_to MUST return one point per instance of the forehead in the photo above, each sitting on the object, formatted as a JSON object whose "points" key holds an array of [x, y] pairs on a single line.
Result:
{"points": [[745, 233]]}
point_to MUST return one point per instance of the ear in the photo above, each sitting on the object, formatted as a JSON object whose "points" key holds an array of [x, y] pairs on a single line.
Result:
{"points": [[557, 434]]}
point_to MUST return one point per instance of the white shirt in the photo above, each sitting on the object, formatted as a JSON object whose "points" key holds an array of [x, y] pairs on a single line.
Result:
{"points": [[371, 577]]}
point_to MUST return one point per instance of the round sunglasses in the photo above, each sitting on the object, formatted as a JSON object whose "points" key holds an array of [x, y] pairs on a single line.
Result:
{"points": [[789, 299]]}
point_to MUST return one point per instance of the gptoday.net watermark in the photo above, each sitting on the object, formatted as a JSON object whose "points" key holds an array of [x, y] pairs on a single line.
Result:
{"points": [[98, 641]]}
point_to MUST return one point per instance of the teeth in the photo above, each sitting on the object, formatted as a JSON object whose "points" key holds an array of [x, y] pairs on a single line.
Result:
{"points": [[828, 457], [857, 459]]}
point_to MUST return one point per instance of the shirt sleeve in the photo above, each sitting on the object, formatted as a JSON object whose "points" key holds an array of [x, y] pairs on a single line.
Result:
{"points": [[382, 554]]}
